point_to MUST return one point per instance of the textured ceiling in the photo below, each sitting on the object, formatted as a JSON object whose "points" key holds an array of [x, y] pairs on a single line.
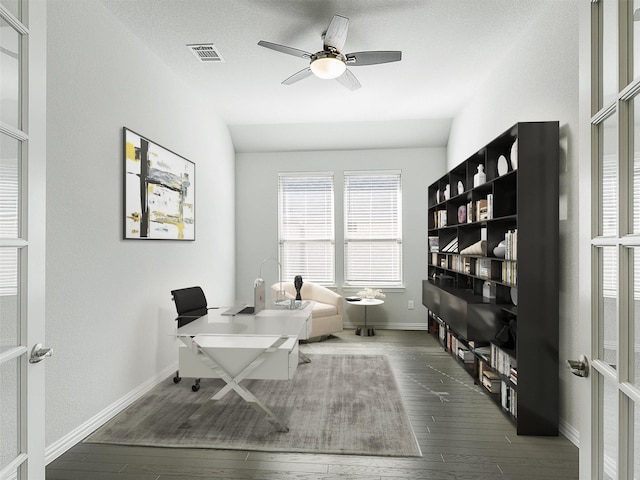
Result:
{"points": [[448, 47]]}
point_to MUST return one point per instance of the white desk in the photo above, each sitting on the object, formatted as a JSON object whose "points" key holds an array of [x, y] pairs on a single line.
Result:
{"points": [[235, 348]]}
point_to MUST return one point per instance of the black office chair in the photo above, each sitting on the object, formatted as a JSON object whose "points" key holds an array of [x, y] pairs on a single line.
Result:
{"points": [[191, 304]]}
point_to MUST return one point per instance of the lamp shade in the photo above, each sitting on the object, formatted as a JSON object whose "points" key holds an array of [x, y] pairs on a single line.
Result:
{"points": [[328, 67]]}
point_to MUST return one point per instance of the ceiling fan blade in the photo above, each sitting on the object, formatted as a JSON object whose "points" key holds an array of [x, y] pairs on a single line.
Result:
{"points": [[304, 73], [349, 80], [284, 49], [357, 59], [336, 34]]}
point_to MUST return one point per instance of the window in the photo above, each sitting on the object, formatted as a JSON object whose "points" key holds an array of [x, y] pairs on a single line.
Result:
{"points": [[373, 228], [306, 227]]}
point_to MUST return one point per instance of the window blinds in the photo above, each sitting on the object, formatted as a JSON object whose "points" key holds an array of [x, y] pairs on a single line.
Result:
{"points": [[306, 227], [373, 228]]}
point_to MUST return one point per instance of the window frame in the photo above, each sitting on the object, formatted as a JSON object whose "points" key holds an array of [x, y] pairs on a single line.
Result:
{"points": [[284, 239], [396, 237]]}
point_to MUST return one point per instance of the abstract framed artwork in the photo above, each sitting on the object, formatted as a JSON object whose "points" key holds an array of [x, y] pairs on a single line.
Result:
{"points": [[159, 191]]}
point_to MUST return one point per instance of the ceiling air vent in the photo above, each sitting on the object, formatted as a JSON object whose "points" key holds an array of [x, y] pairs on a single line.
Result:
{"points": [[206, 52]]}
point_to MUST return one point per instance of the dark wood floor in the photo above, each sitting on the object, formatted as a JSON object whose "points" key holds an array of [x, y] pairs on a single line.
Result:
{"points": [[462, 434]]}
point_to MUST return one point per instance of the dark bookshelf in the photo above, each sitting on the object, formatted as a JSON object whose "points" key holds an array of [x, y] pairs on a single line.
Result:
{"points": [[467, 312]]}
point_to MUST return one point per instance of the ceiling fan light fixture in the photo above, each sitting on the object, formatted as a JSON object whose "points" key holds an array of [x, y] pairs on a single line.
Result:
{"points": [[327, 66]]}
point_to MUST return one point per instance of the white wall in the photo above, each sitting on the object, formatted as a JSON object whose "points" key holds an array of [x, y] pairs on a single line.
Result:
{"points": [[257, 220], [109, 308], [537, 81]]}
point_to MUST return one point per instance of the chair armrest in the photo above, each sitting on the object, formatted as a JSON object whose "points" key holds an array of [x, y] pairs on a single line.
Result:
{"points": [[324, 295]]}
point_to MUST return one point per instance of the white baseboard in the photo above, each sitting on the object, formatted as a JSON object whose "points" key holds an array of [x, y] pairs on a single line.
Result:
{"points": [[387, 326], [570, 432], [57, 448]]}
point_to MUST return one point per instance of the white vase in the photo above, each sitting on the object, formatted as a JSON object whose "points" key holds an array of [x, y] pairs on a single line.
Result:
{"points": [[480, 177]]}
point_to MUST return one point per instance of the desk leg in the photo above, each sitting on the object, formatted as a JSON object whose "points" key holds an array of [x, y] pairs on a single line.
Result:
{"points": [[302, 358], [366, 331], [233, 383]]}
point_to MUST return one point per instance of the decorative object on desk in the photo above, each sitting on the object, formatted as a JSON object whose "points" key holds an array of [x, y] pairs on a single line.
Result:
{"points": [[462, 214], [500, 249], [480, 177], [478, 248], [447, 192], [503, 166], [370, 293], [280, 296], [460, 188], [353, 299], [297, 282], [159, 191], [318, 423], [514, 155]]}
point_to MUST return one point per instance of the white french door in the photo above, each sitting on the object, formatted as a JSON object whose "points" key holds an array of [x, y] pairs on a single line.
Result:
{"points": [[614, 242], [22, 236]]}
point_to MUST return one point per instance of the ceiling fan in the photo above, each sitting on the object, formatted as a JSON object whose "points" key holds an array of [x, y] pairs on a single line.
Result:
{"points": [[330, 62]]}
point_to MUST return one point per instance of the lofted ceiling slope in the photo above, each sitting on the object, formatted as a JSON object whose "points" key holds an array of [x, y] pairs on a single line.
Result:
{"points": [[448, 47]]}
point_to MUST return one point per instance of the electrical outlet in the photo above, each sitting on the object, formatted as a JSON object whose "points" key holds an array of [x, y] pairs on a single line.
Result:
{"points": [[410, 304]]}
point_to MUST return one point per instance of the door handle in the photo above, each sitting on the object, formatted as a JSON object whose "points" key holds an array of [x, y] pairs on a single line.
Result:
{"points": [[579, 367], [39, 353]]}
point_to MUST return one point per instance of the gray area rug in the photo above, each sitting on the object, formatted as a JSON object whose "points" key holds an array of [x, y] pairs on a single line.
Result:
{"points": [[338, 404]]}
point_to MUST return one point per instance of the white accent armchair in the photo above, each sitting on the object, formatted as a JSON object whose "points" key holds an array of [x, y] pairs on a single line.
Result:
{"points": [[326, 316]]}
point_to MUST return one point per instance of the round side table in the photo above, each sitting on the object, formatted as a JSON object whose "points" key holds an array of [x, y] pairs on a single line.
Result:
{"points": [[365, 302]]}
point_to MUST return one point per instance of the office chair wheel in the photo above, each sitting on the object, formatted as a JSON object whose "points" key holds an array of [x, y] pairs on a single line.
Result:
{"points": [[177, 378], [196, 386]]}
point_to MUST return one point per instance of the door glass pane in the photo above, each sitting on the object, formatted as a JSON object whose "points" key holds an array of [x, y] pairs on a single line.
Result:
{"points": [[10, 78], [635, 32], [9, 411], [609, 51], [13, 6], [9, 305], [609, 431], [634, 373], [635, 452], [609, 302], [9, 186], [608, 176], [634, 197]]}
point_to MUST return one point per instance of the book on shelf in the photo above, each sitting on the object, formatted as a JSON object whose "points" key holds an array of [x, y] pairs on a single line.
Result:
{"points": [[465, 355], [489, 206], [452, 246], [483, 352], [483, 267], [509, 399], [482, 210], [511, 245], [440, 218], [491, 381], [510, 272], [434, 245], [501, 361], [513, 375]]}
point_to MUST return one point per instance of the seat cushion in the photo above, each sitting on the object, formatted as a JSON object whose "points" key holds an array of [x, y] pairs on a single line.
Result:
{"points": [[323, 310]]}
